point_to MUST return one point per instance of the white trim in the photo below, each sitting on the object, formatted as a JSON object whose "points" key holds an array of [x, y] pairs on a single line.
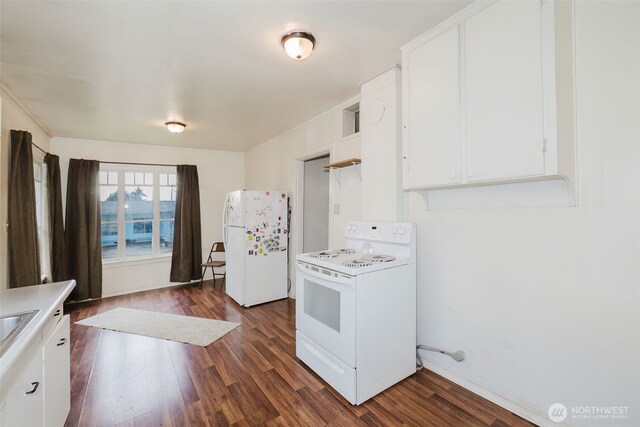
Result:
{"points": [[503, 402], [116, 167], [297, 220], [148, 288], [130, 262], [4, 88]]}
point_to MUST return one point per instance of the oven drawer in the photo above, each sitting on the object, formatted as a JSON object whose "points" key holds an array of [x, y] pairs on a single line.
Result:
{"points": [[339, 376]]}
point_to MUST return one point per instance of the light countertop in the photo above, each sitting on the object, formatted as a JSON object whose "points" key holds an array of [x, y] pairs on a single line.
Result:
{"points": [[39, 297]]}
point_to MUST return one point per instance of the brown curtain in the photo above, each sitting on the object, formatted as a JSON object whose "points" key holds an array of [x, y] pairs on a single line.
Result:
{"points": [[56, 222], [24, 257], [83, 251], [187, 239]]}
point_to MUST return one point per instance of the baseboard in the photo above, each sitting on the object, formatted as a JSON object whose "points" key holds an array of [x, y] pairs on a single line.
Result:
{"points": [[148, 288], [491, 396]]}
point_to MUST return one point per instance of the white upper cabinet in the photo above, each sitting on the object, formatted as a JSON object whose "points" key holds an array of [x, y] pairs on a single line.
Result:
{"points": [[432, 112], [480, 98], [504, 92]]}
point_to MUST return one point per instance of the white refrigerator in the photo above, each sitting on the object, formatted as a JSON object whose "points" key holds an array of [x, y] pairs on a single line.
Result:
{"points": [[255, 237]]}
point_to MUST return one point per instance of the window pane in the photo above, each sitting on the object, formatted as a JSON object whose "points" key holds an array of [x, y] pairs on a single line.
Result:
{"points": [[163, 179], [109, 241], [103, 178], [166, 236], [138, 237], [139, 203], [148, 178], [108, 203], [113, 177], [139, 178], [167, 202], [168, 194], [129, 178], [172, 179]]}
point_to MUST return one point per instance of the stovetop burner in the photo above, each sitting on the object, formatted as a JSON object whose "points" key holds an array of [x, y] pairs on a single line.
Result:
{"points": [[357, 263], [376, 259], [367, 260], [331, 254], [345, 251]]}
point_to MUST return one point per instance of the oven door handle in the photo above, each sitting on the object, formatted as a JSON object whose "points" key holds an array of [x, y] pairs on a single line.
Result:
{"points": [[328, 280]]}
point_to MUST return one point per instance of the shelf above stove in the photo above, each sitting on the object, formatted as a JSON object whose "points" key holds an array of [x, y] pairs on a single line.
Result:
{"points": [[343, 163]]}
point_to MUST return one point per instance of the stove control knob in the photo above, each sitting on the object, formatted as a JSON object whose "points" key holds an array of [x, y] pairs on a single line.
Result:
{"points": [[354, 227], [402, 231], [394, 230]]}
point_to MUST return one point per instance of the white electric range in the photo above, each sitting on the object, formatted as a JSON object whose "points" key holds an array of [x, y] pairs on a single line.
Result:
{"points": [[356, 309]]}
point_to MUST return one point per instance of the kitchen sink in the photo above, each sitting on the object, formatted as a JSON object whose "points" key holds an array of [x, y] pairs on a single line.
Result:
{"points": [[11, 325]]}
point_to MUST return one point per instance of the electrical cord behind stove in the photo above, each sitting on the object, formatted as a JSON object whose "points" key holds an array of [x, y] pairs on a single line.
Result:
{"points": [[458, 356]]}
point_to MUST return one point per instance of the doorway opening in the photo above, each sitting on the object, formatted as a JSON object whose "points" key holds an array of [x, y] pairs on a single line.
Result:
{"points": [[315, 235]]}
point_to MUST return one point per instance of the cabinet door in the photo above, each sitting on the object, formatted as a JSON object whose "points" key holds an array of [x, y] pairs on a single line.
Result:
{"points": [[432, 111], [24, 405], [57, 375], [504, 92]]}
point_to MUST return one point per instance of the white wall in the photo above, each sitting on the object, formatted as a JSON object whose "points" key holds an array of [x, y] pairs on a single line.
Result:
{"points": [[316, 205], [218, 171], [546, 301], [13, 116]]}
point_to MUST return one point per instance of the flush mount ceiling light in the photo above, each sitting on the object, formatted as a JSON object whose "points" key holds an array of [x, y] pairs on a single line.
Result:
{"points": [[298, 45], [175, 127]]}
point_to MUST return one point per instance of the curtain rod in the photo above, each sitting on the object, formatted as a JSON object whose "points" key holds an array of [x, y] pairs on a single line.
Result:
{"points": [[137, 164], [115, 163], [36, 145]]}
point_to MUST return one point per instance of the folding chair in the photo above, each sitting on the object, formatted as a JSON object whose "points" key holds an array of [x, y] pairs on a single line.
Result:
{"points": [[216, 247]]}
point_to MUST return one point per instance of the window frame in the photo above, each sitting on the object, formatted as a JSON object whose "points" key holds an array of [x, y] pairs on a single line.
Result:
{"points": [[41, 188], [121, 221]]}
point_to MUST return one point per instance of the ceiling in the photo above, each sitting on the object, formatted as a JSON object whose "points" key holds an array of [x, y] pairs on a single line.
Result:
{"points": [[117, 70]]}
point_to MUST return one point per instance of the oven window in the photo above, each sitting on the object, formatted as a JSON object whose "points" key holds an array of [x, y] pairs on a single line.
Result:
{"points": [[322, 303]]}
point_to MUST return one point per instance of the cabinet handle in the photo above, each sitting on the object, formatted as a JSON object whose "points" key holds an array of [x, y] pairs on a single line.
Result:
{"points": [[57, 313], [35, 387], [62, 341], [470, 174], [452, 176]]}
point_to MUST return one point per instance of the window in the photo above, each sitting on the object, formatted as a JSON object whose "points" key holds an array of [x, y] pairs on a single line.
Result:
{"points": [[138, 210]]}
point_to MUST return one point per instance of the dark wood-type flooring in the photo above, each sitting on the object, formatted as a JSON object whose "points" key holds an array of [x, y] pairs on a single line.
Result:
{"points": [[251, 376]]}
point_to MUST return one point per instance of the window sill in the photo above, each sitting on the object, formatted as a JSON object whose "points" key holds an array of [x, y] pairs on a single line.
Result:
{"points": [[136, 261]]}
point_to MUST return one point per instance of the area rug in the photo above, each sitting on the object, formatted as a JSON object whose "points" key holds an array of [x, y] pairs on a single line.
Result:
{"points": [[173, 327]]}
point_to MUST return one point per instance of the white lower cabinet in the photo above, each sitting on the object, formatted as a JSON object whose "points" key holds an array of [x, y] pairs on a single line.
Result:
{"points": [[56, 375], [37, 391], [25, 398]]}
